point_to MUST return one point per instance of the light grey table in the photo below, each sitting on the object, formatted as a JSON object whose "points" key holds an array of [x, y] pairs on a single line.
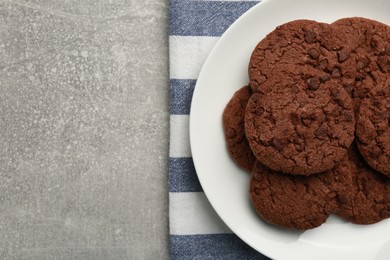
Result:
{"points": [[83, 129]]}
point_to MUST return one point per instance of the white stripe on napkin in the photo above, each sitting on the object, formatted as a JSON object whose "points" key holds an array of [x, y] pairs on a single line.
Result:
{"points": [[179, 136], [187, 55], [191, 214]]}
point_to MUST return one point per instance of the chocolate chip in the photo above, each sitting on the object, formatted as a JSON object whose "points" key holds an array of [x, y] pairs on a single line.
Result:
{"points": [[375, 152], [348, 116], [277, 143], [312, 116], [306, 122], [380, 132], [313, 83], [297, 36], [231, 133], [272, 120], [309, 160], [285, 132], [313, 53], [321, 132], [294, 118], [380, 93], [384, 63], [279, 31], [342, 199], [255, 97], [310, 36], [385, 213], [310, 203], [360, 76], [343, 55], [243, 104], [298, 140], [376, 104], [336, 73], [311, 94], [331, 194], [335, 93], [323, 65], [299, 148], [377, 43], [259, 111], [265, 142], [257, 191], [325, 78]]}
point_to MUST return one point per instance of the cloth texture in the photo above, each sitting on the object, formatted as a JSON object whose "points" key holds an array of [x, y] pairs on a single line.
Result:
{"points": [[196, 231]]}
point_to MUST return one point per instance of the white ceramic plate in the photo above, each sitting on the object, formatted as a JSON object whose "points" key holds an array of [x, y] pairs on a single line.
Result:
{"points": [[225, 185]]}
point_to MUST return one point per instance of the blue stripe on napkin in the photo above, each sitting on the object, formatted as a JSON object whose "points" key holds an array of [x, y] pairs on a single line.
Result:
{"points": [[204, 18], [215, 246], [182, 176], [198, 18], [181, 91]]}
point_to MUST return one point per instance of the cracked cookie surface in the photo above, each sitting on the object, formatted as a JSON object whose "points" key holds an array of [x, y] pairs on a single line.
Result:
{"points": [[302, 125], [233, 124], [373, 133], [366, 74], [296, 202], [293, 43]]}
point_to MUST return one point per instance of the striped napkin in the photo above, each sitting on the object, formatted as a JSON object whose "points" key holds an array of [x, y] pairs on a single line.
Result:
{"points": [[196, 232]]}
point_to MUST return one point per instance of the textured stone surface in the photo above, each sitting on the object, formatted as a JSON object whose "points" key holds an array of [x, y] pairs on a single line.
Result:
{"points": [[83, 129]]}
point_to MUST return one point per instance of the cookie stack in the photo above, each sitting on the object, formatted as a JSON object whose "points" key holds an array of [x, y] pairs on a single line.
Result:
{"points": [[313, 125]]}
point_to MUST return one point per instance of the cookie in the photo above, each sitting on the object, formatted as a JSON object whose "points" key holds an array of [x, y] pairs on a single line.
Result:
{"points": [[296, 202], [233, 125], [302, 125], [293, 43], [365, 198], [367, 44], [373, 133]]}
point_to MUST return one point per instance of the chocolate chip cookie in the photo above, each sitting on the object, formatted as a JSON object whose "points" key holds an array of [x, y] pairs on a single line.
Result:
{"points": [[296, 202], [293, 43], [302, 125], [367, 44], [373, 133], [365, 198], [233, 124]]}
